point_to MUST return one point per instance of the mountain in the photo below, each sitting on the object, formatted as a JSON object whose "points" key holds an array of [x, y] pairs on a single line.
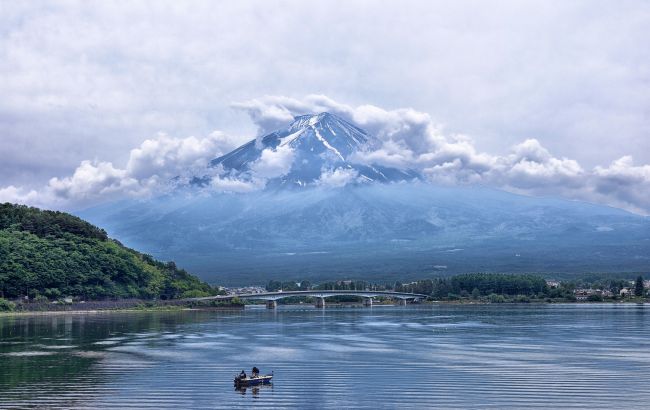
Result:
{"points": [[318, 143], [378, 232], [55, 254], [388, 225]]}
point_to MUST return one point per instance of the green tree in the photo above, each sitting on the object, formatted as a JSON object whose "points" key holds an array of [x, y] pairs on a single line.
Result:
{"points": [[494, 298], [273, 285], [476, 293], [638, 286], [56, 254], [290, 286], [6, 305]]}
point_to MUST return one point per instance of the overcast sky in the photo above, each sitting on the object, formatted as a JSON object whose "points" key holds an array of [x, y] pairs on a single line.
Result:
{"points": [[89, 82]]}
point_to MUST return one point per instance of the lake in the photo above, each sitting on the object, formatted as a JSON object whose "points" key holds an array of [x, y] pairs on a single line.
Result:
{"points": [[448, 356]]}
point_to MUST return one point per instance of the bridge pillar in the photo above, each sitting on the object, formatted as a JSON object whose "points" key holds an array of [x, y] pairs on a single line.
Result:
{"points": [[367, 302], [401, 302], [271, 304], [320, 302]]}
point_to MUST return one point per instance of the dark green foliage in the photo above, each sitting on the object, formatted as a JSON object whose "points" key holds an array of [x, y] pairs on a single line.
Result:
{"points": [[290, 286], [46, 223], [476, 293], [234, 302], [478, 284], [522, 299], [494, 298], [638, 286], [499, 283], [274, 285], [55, 254], [6, 305], [194, 293], [350, 285]]}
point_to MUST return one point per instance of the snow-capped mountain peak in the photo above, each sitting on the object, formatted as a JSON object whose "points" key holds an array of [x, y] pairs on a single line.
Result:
{"points": [[319, 143], [334, 133]]}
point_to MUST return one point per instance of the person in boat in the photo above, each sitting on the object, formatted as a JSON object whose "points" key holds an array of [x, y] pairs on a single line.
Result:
{"points": [[256, 371], [242, 375]]}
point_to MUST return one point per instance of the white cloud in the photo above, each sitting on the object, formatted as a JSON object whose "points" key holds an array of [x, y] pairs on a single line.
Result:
{"points": [[94, 180], [390, 154], [410, 139], [273, 163], [82, 78], [149, 171], [18, 195], [406, 139], [338, 177], [233, 184], [626, 184], [532, 167], [272, 112], [410, 128], [165, 156]]}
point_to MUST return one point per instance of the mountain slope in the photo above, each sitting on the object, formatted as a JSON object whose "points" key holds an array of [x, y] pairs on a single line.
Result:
{"points": [[385, 224], [56, 254], [378, 231], [318, 143]]}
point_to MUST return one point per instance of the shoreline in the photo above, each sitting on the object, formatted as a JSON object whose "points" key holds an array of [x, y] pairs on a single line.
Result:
{"points": [[127, 310], [172, 309]]}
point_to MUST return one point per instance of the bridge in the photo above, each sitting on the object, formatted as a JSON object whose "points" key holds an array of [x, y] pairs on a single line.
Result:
{"points": [[272, 298]]}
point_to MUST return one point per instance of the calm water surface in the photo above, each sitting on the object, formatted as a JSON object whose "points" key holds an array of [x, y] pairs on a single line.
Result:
{"points": [[595, 356]]}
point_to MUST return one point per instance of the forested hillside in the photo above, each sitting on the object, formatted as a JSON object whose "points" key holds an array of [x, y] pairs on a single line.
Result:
{"points": [[53, 254]]}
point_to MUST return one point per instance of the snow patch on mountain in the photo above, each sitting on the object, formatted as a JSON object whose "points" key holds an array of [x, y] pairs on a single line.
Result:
{"points": [[315, 149]]}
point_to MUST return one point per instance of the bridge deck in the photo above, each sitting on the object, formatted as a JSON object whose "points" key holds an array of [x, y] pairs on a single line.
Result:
{"points": [[318, 294]]}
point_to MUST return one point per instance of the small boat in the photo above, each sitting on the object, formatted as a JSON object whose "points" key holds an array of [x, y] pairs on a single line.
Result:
{"points": [[253, 381]]}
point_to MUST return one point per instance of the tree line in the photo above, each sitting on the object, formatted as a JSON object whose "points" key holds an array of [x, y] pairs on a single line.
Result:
{"points": [[465, 285], [478, 284], [49, 255]]}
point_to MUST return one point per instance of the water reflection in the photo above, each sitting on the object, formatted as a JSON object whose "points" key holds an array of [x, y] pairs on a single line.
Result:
{"points": [[446, 356], [254, 390]]}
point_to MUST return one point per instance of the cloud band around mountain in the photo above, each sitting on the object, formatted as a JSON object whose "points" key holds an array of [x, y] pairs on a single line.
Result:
{"points": [[407, 139]]}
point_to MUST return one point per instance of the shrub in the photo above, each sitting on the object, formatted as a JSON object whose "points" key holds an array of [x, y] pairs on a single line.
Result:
{"points": [[41, 299], [6, 305], [494, 298], [52, 293], [194, 293]]}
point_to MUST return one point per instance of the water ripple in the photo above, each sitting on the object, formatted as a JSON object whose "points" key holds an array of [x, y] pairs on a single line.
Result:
{"points": [[421, 357]]}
